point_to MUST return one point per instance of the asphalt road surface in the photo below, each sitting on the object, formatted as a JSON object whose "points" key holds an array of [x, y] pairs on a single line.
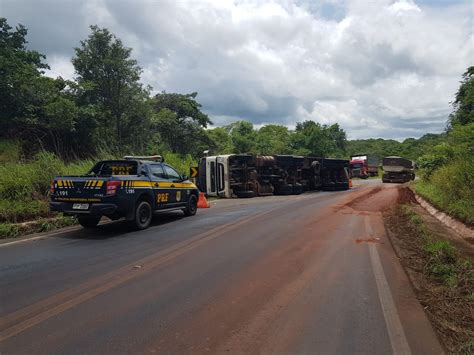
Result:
{"points": [[313, 273]]}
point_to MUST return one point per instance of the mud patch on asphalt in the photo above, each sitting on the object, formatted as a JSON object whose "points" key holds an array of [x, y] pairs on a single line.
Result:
{"points": [[375, 200], [448, 303]]}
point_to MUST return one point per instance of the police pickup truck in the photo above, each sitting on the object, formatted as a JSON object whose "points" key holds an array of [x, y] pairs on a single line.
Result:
{"points": [[134, 188]]}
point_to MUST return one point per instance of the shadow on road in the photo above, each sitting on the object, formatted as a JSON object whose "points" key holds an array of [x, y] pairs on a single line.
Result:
{"points": [[120, 228]]}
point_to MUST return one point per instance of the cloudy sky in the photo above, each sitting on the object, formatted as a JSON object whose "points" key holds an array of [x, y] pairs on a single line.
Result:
{"points": [[380, 68]]}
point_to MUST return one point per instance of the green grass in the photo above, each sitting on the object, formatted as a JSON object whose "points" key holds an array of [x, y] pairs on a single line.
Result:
{"points": [[24, 186], [180, 163], [451, 189], [10, 230], [442, 260], [9, 151], [446, 279]]}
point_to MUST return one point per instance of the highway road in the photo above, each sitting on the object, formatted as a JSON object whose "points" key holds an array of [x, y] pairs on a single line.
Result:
{"points": [[313, 273]]}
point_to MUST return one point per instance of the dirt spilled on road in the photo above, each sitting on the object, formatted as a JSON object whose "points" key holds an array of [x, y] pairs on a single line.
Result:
{"points": [[442, 276], [239, 317], [376, 200]]}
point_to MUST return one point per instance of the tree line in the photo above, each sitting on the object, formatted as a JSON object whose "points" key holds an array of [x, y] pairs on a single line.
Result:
{"points": [[107, 108]]}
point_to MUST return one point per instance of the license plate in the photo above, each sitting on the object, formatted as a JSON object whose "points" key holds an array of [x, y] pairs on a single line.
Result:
{"points": [[80, 206]]}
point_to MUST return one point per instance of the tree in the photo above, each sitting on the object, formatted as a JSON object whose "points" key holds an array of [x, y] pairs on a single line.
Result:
{"points": [[108, 79], [311, 138], [243, 136], [221, 142], [464, 101], [21, 84], [273, 139], [180, 123]]}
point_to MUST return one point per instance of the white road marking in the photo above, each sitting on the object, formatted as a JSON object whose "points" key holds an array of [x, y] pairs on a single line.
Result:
{"points": [[395, 330]]}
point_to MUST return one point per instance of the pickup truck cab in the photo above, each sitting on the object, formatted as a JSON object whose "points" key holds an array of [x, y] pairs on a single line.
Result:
{"points": [[134, 188]]}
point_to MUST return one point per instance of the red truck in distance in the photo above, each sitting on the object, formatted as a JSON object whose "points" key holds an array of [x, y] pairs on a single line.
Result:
{"points": [[364, 165]]}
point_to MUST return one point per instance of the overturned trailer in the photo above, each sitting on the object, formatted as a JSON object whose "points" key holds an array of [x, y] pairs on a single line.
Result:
{"points": [[243, 175], [335, 174]]}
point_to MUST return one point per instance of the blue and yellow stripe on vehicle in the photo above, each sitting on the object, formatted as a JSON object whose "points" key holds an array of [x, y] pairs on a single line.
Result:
{"points": [[66, 184], [140, 184], [93, 184]]}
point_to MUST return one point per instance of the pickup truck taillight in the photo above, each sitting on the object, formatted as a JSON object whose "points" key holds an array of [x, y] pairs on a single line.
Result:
{"points": [[51, 189], [112, 187]]}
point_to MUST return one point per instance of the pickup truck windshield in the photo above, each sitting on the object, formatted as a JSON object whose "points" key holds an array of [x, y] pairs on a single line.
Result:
{"points": [[115, 167]]}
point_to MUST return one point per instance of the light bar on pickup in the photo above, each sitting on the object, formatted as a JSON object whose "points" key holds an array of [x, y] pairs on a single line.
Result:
{"points": [[157, 158]]}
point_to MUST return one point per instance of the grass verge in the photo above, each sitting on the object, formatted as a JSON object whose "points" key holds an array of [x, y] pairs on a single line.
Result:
{"points": [[442, 276], [14, 230], [451, 189]]}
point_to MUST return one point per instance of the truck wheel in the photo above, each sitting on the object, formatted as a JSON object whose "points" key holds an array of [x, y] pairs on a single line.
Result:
{"points": [[88, 222], [244, 194], [191, 207], [297, 189], [285, 189], [143, 215]]}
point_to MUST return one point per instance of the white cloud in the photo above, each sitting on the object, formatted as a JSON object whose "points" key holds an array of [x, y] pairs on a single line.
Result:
{"points": [[378, 67]]}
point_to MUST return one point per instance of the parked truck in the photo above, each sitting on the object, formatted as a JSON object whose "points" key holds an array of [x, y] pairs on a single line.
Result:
{"points": [[364, 165], [397, 169]]}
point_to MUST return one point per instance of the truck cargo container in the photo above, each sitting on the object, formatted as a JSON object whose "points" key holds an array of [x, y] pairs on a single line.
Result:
{"points": [[311, 173], [335, 174]]}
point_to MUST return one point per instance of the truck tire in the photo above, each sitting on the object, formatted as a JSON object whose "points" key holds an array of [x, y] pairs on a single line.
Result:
{"points": [[244, 194], [329, 186], [286, 189], [143, 215], [191, 207], [297, 189], [88, 221]]}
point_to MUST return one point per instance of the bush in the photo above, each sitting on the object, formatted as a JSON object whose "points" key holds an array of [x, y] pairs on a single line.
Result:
{"points": [[9, 151], [20, 211], [451, 189], [24, 186], [180, 163], [8, 231]]}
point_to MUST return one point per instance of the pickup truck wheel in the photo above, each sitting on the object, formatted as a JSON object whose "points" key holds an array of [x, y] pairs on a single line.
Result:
{"points": [[88, 222], [143, 215], [191, 207]]}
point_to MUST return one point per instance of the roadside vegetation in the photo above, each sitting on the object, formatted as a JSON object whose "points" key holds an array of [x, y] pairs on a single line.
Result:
{"points": [[447, 171], [442, 274]]}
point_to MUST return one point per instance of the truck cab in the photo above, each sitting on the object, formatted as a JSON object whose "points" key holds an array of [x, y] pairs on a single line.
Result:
{"points": [[232, 175], [398, 169]]}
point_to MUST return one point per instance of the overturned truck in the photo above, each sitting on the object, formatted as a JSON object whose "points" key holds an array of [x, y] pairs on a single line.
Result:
{"points": [[244, 175]]}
